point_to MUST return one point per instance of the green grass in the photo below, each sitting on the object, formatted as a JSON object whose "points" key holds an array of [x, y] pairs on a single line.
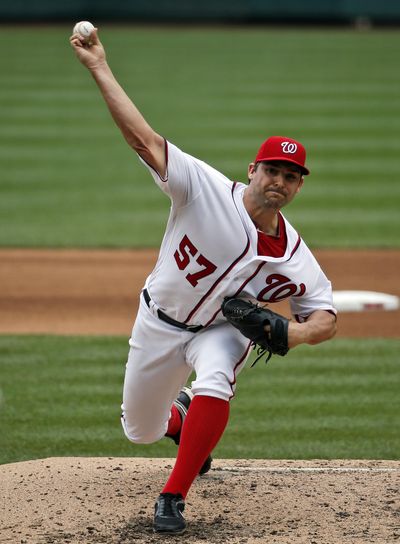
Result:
{"points": [[68, 178], [61, 396]]}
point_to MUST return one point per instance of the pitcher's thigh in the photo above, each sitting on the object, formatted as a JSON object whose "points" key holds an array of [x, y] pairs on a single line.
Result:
{"points": [[155, 372], [217, 355]]}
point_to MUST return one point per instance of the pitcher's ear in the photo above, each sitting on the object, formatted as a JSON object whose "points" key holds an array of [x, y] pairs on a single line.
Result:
{"points": [[251, 169]]}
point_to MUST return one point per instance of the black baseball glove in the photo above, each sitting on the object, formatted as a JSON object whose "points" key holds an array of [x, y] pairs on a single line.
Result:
{"points": [[251, 319]]}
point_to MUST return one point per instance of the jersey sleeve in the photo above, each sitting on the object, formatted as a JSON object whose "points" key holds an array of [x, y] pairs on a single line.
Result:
{"points": [[182, 181], [317, 297]]}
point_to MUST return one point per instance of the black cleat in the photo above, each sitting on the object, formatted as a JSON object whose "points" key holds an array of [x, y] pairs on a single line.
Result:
{"points": [[182, 403], [168, 518]]}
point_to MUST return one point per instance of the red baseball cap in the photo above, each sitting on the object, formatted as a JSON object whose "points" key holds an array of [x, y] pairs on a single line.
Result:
{"points": [[279, 148]]}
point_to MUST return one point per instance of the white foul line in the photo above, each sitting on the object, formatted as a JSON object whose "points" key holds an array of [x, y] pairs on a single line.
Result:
{"points": [[307, 469]]}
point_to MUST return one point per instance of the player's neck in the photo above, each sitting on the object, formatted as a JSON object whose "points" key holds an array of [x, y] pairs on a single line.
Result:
{"points": [[264, 217], [267, 222]]}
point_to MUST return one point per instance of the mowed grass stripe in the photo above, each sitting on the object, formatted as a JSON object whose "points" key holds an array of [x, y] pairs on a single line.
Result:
{"points": [[294, 105], [24, 85], [68, 175], [61, 396]]}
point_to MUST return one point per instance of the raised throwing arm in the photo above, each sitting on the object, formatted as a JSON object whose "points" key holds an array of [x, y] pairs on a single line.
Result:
{"points": [[135, 129]]}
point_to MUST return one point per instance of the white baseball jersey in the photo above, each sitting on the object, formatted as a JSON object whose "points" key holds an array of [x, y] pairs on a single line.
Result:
{"points": [[209, 251]]}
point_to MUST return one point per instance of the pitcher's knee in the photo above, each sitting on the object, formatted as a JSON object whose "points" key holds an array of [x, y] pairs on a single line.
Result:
{"points": [[215, 385], [138, 435]]}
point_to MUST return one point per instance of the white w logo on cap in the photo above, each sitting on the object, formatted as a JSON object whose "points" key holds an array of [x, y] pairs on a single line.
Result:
{"points": [[289, 147]]}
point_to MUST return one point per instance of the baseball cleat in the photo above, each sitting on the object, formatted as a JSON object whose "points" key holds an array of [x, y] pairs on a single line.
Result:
{"points": [[168, 518], [182, 403]]}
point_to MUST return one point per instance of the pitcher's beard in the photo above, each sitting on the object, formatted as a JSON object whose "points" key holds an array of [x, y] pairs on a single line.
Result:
{"points": [[272, 203]]}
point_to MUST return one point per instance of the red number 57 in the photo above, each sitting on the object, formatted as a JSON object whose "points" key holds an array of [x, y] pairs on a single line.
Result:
{"points": [[187, 252]]}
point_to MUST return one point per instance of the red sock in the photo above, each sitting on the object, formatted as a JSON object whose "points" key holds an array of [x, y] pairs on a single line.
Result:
{"points": [[203, 427], [174, 422]]}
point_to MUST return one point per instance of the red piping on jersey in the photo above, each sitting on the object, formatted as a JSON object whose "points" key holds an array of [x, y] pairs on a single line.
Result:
{"points": [[246, 249], [239, 290], [250, 278], [232, 383], [232, 265], [295, 248], [166, 163]]}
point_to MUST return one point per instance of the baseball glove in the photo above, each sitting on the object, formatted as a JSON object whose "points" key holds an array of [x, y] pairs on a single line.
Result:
{"points": [[251, 319]]}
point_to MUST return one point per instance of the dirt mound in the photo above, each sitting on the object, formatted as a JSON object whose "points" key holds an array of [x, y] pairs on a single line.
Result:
{"points": [[110, 500]]}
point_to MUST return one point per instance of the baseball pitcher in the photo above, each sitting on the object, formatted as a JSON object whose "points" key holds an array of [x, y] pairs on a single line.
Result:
{"points": [[227, 250]]}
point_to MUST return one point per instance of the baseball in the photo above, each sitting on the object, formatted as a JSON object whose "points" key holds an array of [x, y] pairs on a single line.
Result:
{"points": [[84, 29]]}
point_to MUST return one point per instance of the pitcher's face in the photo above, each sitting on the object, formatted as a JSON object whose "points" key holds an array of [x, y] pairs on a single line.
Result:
{"points": [[274, 184]]}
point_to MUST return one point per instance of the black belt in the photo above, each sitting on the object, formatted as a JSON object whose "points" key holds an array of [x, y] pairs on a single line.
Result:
{"points": [[167, 319]]}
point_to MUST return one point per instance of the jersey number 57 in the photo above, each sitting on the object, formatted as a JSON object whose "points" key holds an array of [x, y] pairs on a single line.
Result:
{"points": [[188, 252]]}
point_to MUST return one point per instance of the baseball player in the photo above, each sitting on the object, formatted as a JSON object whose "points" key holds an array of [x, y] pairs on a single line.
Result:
{"points": [[222, 239]]}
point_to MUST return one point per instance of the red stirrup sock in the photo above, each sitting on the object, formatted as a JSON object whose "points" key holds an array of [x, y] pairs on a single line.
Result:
{"points": [[203, 427], [174, 422]]}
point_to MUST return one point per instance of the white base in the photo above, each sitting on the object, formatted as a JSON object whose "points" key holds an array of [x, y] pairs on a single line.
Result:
{"points": [[362, 301]]}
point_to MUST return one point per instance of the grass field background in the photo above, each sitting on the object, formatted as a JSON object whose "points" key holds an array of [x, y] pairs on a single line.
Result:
{"points": [[69, 180], [61, 396]]}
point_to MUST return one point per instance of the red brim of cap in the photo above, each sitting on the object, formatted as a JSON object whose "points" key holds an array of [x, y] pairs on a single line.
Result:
{"points": [[304, 170]]}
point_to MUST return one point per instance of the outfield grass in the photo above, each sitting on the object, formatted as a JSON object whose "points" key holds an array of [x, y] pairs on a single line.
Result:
{"points": [[68, 179], [61, 397]]}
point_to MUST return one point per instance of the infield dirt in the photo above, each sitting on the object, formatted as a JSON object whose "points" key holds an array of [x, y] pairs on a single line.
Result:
{"points": [[96, 292]]}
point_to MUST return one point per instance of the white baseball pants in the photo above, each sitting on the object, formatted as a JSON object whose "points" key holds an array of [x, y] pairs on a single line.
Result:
{"points": [[160, 361]]}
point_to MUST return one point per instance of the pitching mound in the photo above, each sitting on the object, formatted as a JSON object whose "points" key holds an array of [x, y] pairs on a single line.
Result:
{"points": [[110, 500]]}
